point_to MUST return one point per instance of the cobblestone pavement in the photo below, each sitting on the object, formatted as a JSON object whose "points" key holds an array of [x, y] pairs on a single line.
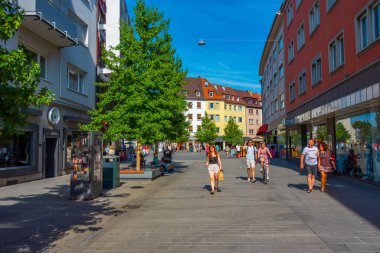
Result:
{"points": [[176, 213]]}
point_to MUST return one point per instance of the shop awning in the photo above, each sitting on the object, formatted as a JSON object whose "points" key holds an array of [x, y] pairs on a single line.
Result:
{"points": [[262, 129]]}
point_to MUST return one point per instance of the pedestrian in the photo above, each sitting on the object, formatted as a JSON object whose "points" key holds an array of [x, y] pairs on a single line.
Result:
{"points": [[217, 148], [264, 160], [238, 149], [214, 165], [309, 160], [207, 149], [251, 158], [227, 150], [326, 163], [232, 151]]}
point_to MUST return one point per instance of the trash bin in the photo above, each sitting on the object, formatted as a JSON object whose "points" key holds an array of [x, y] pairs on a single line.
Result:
{"points": [[111, 171]]}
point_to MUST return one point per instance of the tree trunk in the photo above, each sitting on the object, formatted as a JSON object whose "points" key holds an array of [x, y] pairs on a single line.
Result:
{"points": [[156, 148], [138, 160]]}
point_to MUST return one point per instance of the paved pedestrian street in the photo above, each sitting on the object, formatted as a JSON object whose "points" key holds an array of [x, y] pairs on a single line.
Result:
{"points": [[176, 213]]}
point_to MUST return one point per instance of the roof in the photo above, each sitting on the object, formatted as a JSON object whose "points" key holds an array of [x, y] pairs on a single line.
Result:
{"points": [[192, 85], [219, 92]]}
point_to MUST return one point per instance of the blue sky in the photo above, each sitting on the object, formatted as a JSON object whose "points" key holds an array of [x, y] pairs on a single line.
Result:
{"points": [[228, 58]]}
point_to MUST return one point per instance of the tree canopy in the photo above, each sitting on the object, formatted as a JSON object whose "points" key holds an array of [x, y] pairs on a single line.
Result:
{"points": [[19, 75], [232, 133], [143, 99], [207, 131], [342, 135]]}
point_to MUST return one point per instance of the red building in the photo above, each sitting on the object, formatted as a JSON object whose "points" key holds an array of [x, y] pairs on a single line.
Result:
{"points": [[332, 71]]}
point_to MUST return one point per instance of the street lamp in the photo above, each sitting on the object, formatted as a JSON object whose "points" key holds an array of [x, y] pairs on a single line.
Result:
{"points": [[201, 42]]}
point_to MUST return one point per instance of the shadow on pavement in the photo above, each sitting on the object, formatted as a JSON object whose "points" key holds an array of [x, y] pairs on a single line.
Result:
{"points": [[361, 198], [31, 223]]}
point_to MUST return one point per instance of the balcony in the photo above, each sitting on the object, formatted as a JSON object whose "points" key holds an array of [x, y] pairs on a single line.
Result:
{"points": [[49, 22]]}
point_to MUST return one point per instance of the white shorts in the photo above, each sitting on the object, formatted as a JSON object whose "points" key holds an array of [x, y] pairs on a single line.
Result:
{"points": [[251, 164], [213, 168]]}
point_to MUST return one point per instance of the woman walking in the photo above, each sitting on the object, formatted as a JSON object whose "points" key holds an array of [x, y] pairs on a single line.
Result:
{"points": [[325, 164], [214, 165]]}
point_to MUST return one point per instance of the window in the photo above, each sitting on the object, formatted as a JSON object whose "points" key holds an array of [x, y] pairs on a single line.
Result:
{"points": [[251, 121], [282, 101], [237, 99], [199, 117], [211, 116], [251, 131], [302, 83], [291, 51], [292, 92], [211, 105], [281, 71], [275, 79], [206, 84], [336, 53], [240, 108], [314, 18], [274, 54], [190, 117], [272, 107], [234, 119], [190, 129], [280, 43], [363, 31], [276, 105], [226, 118], [233, 98], [224, 96], [184, 92], [211, 94], [250, 111], [225, 107], [230, 107], [217, 130], [257, 112], [257, 122], [75, 80], [217, 118], [198, 93], [300, 37], [40, 60], [290, 14], [376, 21], [316, 70], [217, 106], [228, 97], [216, 87], [330, 4], [270, 86], [199, 105], [16, 149], [240, 119], [234, 107], [190, 105], [298, 3], [82, 28]]}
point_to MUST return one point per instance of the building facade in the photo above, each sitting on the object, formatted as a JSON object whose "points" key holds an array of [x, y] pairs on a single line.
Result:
{"points": [[332, 66], [196, 104], [272, 70], [62, 36], [253, 114]]}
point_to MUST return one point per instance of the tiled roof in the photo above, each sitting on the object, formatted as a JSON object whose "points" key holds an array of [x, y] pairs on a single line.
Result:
{"points": [[192, 85]]}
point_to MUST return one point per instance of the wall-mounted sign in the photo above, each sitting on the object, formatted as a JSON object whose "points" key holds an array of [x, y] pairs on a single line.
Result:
{"points": [[54, 116]]}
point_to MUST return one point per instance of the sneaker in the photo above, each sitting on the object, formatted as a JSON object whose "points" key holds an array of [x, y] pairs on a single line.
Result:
{"points": [[249, 179], [253, 180]]}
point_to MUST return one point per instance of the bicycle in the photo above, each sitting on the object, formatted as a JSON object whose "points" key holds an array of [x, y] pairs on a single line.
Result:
{"points": [[265, 172]]}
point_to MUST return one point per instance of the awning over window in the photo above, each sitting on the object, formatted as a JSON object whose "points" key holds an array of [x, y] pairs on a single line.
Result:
{"points": [[262, 129]]}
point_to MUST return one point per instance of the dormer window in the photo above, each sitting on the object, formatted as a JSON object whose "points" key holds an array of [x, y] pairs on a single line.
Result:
{"points": [[255, 101], [184, 92], [197, 93], [216, 87], [237, 98], [206, 84], [228, 97], [224, 95], [224, 88], [211, 94], [233, 98]]}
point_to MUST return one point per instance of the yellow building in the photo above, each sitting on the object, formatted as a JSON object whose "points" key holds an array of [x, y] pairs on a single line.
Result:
{"points": [[223, 104]]}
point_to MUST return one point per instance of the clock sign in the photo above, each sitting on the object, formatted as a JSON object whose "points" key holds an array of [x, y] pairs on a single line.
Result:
{"points": [[54, 116]]}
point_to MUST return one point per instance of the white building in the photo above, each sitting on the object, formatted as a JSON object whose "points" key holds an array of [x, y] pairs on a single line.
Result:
{"points": [[62, 35], [196, 104]]}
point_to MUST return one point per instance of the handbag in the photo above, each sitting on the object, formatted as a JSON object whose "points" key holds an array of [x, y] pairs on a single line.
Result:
{"points": [[220, 175]]}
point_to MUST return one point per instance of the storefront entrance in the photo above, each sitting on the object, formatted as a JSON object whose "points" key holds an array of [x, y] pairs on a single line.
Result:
{"points": [[51, 157]]}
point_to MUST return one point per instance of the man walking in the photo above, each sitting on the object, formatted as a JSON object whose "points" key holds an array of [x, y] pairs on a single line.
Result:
{"points": [[310, 158], [238, 149], [251, 158]]}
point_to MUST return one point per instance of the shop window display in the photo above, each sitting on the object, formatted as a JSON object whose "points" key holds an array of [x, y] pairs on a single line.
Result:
{"points": [[295, 143], [358, 143], [15, 149]]}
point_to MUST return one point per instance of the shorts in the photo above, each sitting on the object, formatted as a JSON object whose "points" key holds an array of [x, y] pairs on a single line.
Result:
{"points": [[213, 168], [251, 164], [312, 169]]}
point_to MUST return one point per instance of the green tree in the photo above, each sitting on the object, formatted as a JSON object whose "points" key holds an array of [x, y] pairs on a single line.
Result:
{"points": [[322, 133], [342, 135], [19, 75], [232, 133], [207, 131], [365, 131], [142, 100]]}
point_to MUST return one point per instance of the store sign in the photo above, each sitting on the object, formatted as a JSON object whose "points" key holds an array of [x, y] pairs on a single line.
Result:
{"points": [[54, 116]]}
